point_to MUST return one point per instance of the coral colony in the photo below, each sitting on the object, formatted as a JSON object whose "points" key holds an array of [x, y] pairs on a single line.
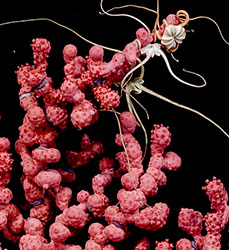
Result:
{"points": [[88, 87]]}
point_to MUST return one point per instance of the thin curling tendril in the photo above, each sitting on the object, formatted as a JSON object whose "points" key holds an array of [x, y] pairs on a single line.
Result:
{"points": [[154, 50], [138, 7], [124, 15], [143, 129], [212, 20], [133, 110], [177, 78], [62, 26], [151, 92]]}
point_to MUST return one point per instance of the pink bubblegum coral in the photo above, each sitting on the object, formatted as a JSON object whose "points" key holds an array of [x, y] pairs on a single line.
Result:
{"points": [[128, 122], [6, 162], [58, 232], [3, 220], [190, 221], [75, 217], [100, 181], [129, 205], [211, 242], [4, 144], [63, 197], [46, 189], [96, 232], [133, 150], [114, 214], [144, 37], [106, 163], [33, 226], [50, 178], [84, 114], [143, 244], [98, 203], [91, 244], [32, 191], [114, 233], [158, 175], [57, 116], [131, 52], [46, 155], [107, 97], [153, 218], [160, 139], [171, 161], [100, 69], [75, 67], [90, 149], [41, 45], [217, 194], [6, 196], [130, 180], [71, 91], [72, 247], [30, 242], [164, 245], [69, 52], [42, 211], [82, 196], [35, 129], [148, 185], [184, 244]]}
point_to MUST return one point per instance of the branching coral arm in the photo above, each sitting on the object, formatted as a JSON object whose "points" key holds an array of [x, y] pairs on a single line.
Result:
{"points": [[127, 156], [151, 92], [133, 110], [128, 89]]}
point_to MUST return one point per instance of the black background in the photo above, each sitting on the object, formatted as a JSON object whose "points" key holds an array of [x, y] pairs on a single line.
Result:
{"points": [[202, 147]]}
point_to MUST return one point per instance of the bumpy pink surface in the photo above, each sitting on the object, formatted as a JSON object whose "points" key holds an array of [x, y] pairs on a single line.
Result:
{"points": [[63, 197], [128, 122], [184, 244], [58, 232], [143, 244], [190, 221], [153, 218], [34, 226], [164, 245], [114, 233], [84, 114], [107, 97], [88, 85]]}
